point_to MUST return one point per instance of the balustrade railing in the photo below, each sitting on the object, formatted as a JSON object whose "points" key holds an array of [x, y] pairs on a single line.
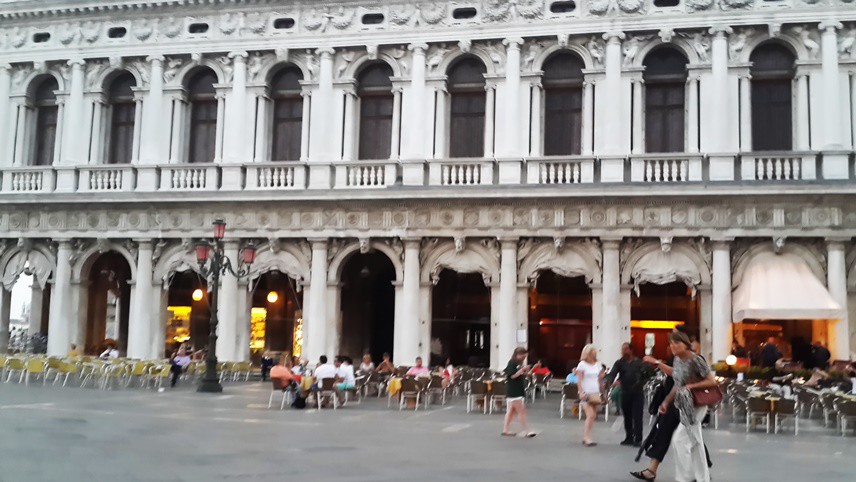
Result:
{"points": [[666, 168], [362, 174], [281, 175], [460, 172], [779, 166], [189, 178], [106, 178], [31, 179], [560, 170]]}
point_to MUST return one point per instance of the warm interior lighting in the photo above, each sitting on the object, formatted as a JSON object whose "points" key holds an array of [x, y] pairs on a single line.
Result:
{"points": [[731, 360], [655, 324], [297, 347], [219, 229], [197, 294], [178, 325], [258, 322], [272, 297]]}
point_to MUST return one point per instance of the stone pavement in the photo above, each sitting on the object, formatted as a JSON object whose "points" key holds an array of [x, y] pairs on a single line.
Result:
{"points": [[72, 434]]}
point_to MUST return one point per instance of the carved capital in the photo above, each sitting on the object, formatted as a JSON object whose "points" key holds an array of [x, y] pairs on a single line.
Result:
{"points": [[720, 31], [513, 43], [830, 26], [614, 37], [418, 48], [239, 56]]}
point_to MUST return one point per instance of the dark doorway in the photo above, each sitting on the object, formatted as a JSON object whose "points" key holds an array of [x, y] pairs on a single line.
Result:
{"points": [[559, 320], [189, 314], [655, 313], [109, 303], [368, 306], [460, 327]]}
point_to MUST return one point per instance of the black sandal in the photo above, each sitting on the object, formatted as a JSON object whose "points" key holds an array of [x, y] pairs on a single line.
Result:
{"points": [[641, 475]]}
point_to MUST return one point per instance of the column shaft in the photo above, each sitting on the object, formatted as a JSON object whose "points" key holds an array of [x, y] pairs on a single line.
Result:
{"points": [[839, 331], [508, 323], [489, 120], [141, 322], [227, 307], [59, 330], [607, 337], [721, 305], [315, 321], [408, 320], [746, 113]]}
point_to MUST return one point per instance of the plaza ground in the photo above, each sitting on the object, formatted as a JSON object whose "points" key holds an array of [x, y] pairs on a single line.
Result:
{"points": [[72, 434]]}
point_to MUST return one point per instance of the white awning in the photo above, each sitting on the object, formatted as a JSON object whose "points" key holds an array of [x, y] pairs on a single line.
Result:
{"points": [[782, 287]]}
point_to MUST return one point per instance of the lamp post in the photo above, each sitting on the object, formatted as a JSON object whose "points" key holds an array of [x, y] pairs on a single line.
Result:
{"points": [[219, 265]]}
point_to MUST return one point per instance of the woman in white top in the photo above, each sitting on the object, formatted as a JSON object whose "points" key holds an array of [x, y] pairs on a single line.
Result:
{"points": [[590, 375], [367, 365]]}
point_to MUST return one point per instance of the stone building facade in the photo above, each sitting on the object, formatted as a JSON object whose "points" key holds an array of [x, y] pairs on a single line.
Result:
{"points": [[381, 153]]}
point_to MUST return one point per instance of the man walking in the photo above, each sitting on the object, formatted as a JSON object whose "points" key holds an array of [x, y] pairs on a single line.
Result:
{"points": [[628, 369]]}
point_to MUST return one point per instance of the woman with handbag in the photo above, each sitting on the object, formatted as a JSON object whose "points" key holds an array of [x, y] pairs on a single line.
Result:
{"points": [[694, 391], [590, 375]]}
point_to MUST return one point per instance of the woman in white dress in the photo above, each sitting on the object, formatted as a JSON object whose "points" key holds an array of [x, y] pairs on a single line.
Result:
{"points": [[590, 379]]}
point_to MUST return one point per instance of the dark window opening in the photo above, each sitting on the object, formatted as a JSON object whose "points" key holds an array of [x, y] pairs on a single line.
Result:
{"points": [[198, 28], [667, 3], [563, 97], [41, 37], [563, 7], [117, 32], [372, 19], [287, 114], [467, 108], [203, 116], [47, 116], [464, 13], [374, 88], [123, 112], [665, 85], [283, 23], [772, 76]]}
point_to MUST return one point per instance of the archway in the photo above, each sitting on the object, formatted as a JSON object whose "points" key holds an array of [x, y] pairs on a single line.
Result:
{"points": [[367, 305], [108, 303], [188, 312], [656, 310], [560, 320], [24, 298], [276, 314], [461, 319]]}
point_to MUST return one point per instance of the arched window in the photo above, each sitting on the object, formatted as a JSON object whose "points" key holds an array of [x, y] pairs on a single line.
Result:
{"points": [[563, 100], [46, 111], [287, 114], [772, 76], [467, 108], [122, 110], [665, 85], [203, 116], [374, 89]]}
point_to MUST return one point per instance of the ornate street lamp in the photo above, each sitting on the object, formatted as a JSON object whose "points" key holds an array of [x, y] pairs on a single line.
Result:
{"points": [[219, 265]]}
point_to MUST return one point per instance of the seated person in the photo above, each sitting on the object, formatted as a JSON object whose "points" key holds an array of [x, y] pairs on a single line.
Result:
{"points": [[266, 364], [367, 365], [110, 352], [386, 367], [419, 370], [817, 378], [178, 364], [323, 371], [540, 369], [345, 374], [571, 378], [283, 372]]}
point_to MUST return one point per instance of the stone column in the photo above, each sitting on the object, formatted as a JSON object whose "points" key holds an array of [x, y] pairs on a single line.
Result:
{"points": [[153, 125], [536, 148], [831, 92], [244, 317], [5, 312], [406, 343], [221, 123], [59, 322], [721, 329], [508, 322], [176, 154], [415, 142], [839, 331], [607, 336], [692, 114], [306, 94], [138, 127], [638, 115], [801, 123], [349, 136], [395, 138], [142, 320], [99, 139], [238, 128], [315, 317], [323, 149], [746, 112], [74, 147], [718, 141], [612, 98], [586, 143], [489, 119], [37, 296], [5, 116], [512, 126], [227, 306], [19, 137], [441, 129]]}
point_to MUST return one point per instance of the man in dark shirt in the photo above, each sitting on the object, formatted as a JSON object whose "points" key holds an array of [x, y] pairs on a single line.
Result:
{"points": [[628, 369], [770, 354], [737, 350], [821, 355]]}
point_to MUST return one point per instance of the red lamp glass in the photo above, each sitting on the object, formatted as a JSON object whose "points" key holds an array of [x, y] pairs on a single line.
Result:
{"points": [[202, 253], [249, 254], [219, 229]]}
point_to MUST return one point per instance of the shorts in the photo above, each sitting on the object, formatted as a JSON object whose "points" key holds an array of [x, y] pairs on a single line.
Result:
{"points": [[344, 386], [509, 401]]}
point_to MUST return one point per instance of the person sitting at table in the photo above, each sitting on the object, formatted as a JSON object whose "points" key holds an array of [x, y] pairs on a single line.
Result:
{"points": [[322, 371], [386, 367], [73, 351], [816, 379], [448, 373], [540, 369], [110, 352], [284, 372], [266, 364], [345, 374], [418, 370], [178, 364], [367, 365]]}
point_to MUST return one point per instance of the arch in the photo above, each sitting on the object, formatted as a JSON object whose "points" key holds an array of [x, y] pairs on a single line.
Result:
{"points": [[334, 270], [36, 76], [469, 257], [108, 75], [43, 87], [118, 75], [582, 54], [189, 70], [80, 268], [174, 259], [787, 58], [288, 260], [357, 65], [573, 259], [677, 43], [457, 55], [42, 263], [654, 263], [805, 253], [665, 60], [272, 66], [461, 64], [284, 69], [788, 40], [374, 74], [571, 71]]}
